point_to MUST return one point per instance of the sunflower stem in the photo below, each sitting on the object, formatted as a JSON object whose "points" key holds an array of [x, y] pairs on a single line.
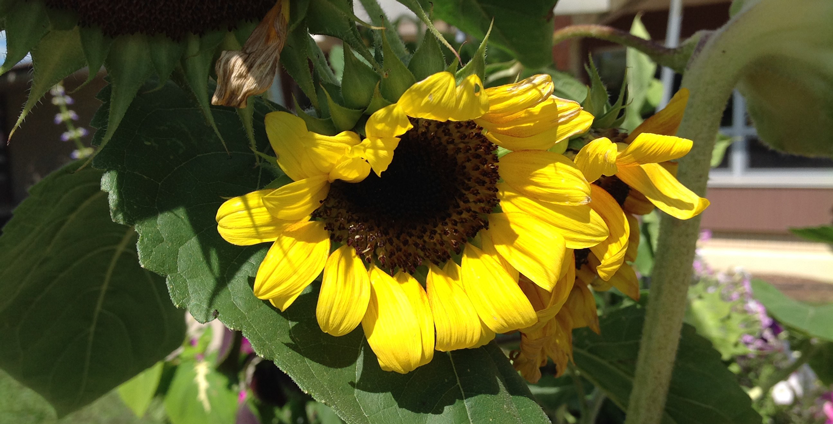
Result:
{"points": [[711, 76], [674, 58]]}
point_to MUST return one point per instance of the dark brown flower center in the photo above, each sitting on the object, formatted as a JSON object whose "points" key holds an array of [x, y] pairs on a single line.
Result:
{"points": [[172, 18], [433, 197]]}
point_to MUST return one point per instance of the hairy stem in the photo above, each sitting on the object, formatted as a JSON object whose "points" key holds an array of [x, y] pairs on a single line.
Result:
{"points": [[675, 59], [710, 77]]}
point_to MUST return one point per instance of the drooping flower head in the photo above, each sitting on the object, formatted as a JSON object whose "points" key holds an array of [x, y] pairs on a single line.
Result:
{"points": [[424, 193], [629, 176]]}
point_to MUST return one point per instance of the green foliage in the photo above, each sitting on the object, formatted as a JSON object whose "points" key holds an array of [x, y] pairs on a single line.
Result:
{"points": [[169, 179], [138, 392], [649, 236], [428, 58], [199, 394], [523, 29], [80, 316], [813, 320], [640, 78], [702, 389], [720, 146], [477, 64], [396, 78], [822, 362], [720, 321], [822, 234]]}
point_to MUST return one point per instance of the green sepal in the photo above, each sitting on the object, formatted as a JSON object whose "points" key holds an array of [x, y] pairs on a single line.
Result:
{"points": [[610, 118], [358, 82], [323, 126], [244, 30], [96, 47], [396, 77], [343, 118], [57, 55], [336, 19], [597, 97], [377, 101], [319, 63], [61, 19], [26, 23], [246, 115], [428, 58], [199, 56], [297, 14], [165, 55], [294, 60], [453, 67], [129, 66], [477, 64], [379, 18]]}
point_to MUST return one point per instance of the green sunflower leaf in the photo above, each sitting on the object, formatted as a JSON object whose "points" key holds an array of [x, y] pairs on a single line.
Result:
{"points": [[197, 64], [169, 179], [522, 28], [822, 234], [80, 316], [813, 320], [702, 389], [294, 59], [380, 19], [138, 392], [335, 18], [57, 55]]}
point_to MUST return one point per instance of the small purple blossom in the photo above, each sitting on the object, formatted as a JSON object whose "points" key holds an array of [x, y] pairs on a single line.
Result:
{"points": [[246, 346], [241, 397]]}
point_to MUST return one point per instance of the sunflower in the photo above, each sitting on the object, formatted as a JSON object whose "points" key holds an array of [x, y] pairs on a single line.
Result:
{"points": [[424, 193], [628, 178]]}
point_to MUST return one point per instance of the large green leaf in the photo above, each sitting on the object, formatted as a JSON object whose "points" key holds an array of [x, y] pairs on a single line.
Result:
{"points": [[814, 320], [200, 395], [78, 315], [168, 174], [522, 28], [822, 234], [702, 389]]}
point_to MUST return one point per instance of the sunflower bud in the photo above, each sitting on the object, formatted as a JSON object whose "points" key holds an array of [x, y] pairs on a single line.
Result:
{"points": [[249, 72]]}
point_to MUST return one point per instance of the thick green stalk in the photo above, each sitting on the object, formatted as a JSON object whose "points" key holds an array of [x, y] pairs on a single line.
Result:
{"points": [[711, 76]]}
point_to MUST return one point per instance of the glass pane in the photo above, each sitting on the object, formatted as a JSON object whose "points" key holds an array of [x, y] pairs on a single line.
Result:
{"points": [[761, 156]]}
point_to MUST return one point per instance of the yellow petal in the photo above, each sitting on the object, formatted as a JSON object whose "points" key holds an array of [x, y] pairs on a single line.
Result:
{"points": [[545, 176], [665, 121], [580, 225], [434, 97], [389, 121], [499, 301], [654, 148], [391, 325], [472, 100], [598, 284], [287, 134], [245, 221], [513, 98], [452, 270], [457, 322], [612, 251], [294, 260], [345, 292], [663, 190], [303, 154], [633, 240], [542, 117], [544, 140], [352, 170], [626, 281], [488, 247], [534, 248], [419, 302], [597, 158], [636, 203], [582, 306], [298, 199], [376, 151]]}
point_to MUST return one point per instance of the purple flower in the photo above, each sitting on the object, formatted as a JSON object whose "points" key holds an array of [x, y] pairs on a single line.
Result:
{"points": [[246, 346], [705, 235]]}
